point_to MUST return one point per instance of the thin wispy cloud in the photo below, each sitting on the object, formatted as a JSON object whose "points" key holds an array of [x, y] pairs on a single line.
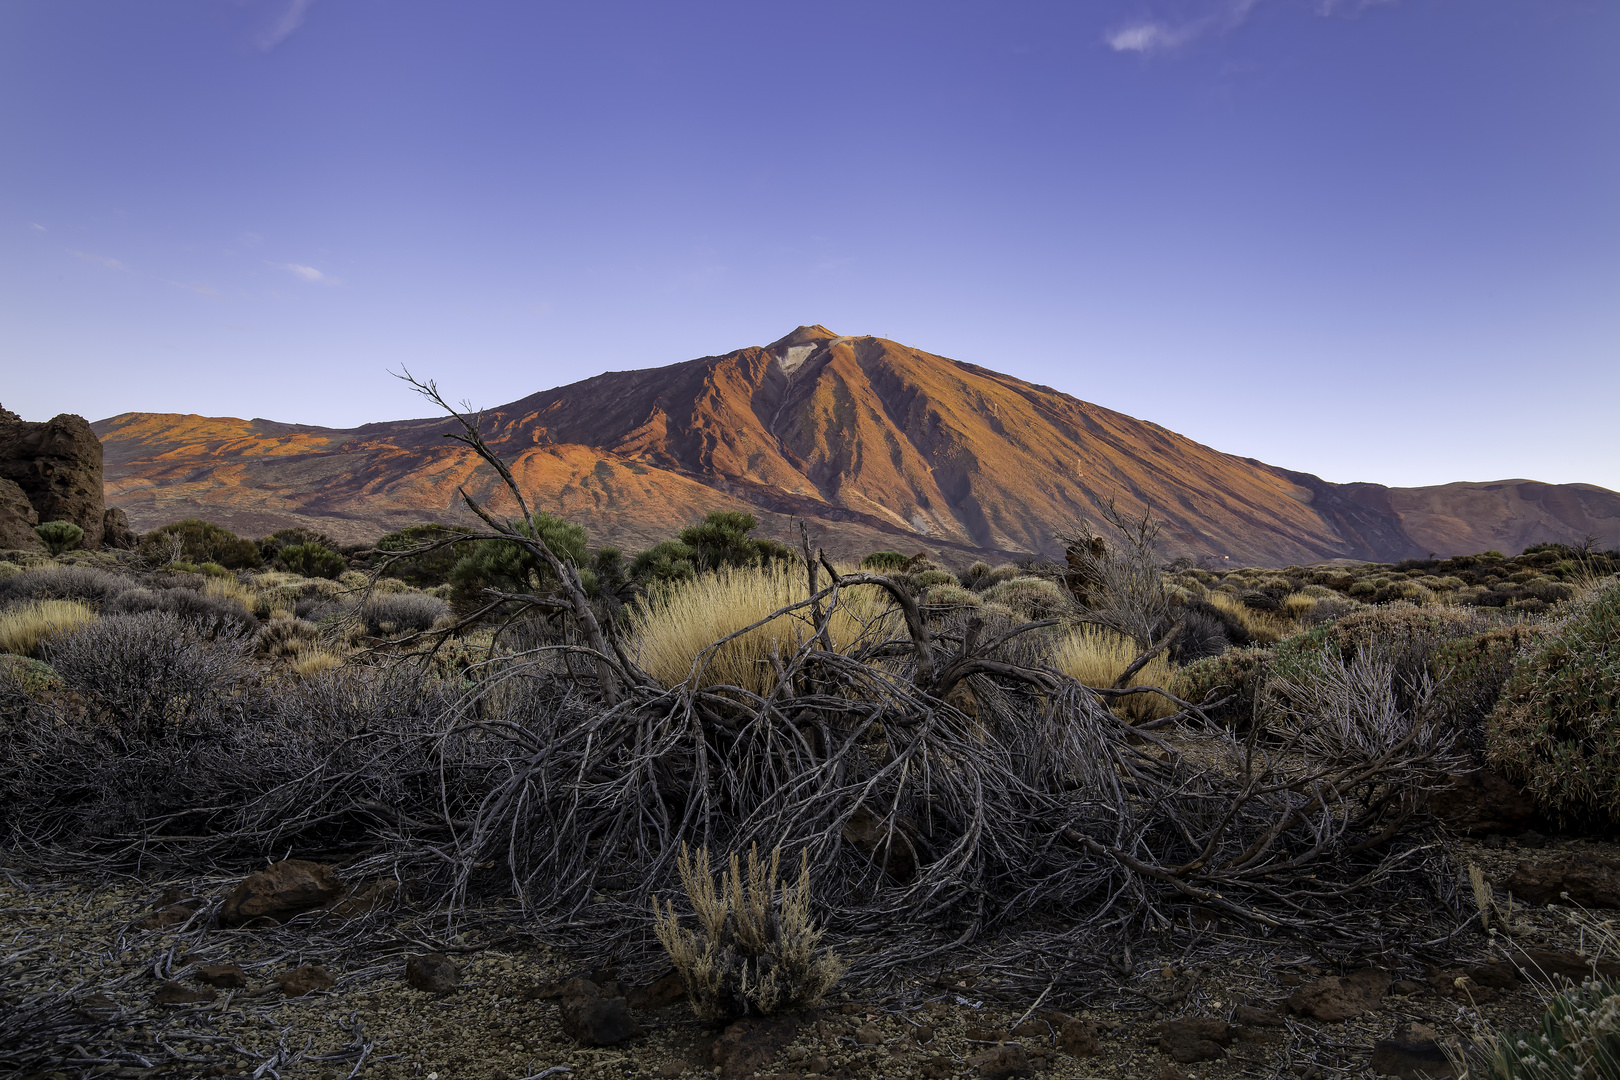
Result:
{"points": [[1155, 35], [38, 226], [109, 263], [286, 24], [1148, 36], [306, 273]]}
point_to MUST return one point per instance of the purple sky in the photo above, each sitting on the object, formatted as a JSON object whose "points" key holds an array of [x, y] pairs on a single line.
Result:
{"points": [[1372, 240]]}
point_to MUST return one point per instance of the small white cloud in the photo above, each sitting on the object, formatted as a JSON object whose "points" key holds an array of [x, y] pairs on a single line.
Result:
{"points": [[1154, 36], [37, 225], [307, 273], [1349, 8], [290, 19], [111, 264]]}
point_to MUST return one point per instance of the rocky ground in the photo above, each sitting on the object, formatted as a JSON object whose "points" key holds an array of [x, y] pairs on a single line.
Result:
{"points": [[194, 978]]}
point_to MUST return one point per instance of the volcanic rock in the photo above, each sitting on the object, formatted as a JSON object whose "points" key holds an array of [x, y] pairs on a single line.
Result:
{"points": [[57, 465], [663, 991], [115, 530], [224, 976], [304, 980], [751, 1043], [17, 519], [593, 1020], [1589, 882], [434, 973], [280, 891], [1411, 1053], [1195, 1039], [173, 993], [1003, 1063], [1335, 998]]}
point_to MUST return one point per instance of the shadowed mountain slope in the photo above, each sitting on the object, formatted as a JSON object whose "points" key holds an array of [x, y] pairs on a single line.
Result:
{"points": [[878, 444]]}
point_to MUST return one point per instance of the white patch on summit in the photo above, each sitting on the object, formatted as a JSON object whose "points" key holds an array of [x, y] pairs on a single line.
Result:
{"points": [[794, 358]]}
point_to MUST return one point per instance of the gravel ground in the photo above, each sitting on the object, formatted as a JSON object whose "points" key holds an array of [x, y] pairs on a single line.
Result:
{"points": [[78, 973]]}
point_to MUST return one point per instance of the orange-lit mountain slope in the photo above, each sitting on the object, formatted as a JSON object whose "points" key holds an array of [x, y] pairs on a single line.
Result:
{"points": [[876, 444]]}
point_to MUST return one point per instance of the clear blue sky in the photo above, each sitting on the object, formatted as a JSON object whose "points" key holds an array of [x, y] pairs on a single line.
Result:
{"points": [[1372, 240]]}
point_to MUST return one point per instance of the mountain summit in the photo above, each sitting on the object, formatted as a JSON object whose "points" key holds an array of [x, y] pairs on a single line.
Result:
{"points": [[880, 444]]}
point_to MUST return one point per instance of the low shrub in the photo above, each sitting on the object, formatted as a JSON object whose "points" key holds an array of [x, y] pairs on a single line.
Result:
{"points": [[1097, 656], [283, 636], [312, 560], [888, 562], [426, 568], [756, 951], [152, 676], [1260, 627], [59, 536], [394, 614], [1556, 729], [25, 628], [1470, 672], [84, 583], [26, 676], [196, 541], [945, 597], [218, 610], [1030, 597], [1237, 674]]}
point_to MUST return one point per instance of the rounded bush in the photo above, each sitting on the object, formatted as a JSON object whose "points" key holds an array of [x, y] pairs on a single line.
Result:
{"points": [[1556, 729], [886, 562], [393, 614], [1031, 597], [312, 560], [59, 536], [197, 541]]}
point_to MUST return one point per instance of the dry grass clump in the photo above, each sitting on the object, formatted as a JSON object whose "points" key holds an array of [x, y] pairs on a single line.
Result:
{"points": [[1096, 656], [27, 627], [1030, 597], [754, 954], [694, 628], [314, 662], [1262, 626]]}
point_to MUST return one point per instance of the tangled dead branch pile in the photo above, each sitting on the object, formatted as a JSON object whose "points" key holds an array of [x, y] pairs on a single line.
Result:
{"points": [[939, 779]]}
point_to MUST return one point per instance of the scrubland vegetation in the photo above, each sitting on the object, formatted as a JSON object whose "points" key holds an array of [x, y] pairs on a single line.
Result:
{"points": [[1036, 770]]}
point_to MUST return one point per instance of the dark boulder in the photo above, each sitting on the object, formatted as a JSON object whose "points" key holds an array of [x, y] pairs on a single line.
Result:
{"points": [[17, 519], [57, 465]]}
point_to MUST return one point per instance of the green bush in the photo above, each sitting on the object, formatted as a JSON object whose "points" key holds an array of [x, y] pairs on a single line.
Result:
{"points": [[59, 536], [889, 562], [720, 540], [270, 547], [195, 541], [1235, 673], [1470, 672], [1578, 1038], [510, 567], [1556, 730], [429, 568], [312, 560]]}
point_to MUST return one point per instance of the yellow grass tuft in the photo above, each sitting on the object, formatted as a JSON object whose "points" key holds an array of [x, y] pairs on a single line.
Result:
{"points": [[315, 661], [675, 626], [23, 629], [1265, 628], [1096, 656]]}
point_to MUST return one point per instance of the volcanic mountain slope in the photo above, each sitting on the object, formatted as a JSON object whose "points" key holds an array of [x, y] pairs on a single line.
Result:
{"points": [[877, 444]]}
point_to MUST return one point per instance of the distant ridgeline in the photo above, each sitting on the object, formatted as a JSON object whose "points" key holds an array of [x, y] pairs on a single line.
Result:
{"points": [[875, 444]]}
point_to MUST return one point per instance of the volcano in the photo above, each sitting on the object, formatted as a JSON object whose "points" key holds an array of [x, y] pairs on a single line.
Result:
{"points": [[874, 444]]}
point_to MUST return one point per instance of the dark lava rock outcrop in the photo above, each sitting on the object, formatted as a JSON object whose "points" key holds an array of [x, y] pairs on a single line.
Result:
{"points": [[56, 466]]}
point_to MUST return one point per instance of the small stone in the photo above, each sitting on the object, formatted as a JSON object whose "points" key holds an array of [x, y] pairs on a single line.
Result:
{"points": [[818, 1065], [224, 976], [752, 1043], [660, 993], [169, 915], [1168, 1071], [1406, 987], [595, 1021], [984, 1034], [1003, 1063], [173, 993], [869, 1035], [1195, 1039], [671, 1069], [1411, 1053], [433, 973], [280, 891], [305, 980], [923, 1035], [1078, 1038], [1334, 998]]}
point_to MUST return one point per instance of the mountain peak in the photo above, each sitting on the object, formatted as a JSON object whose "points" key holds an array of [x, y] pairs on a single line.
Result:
{"points": [[804, 335]]}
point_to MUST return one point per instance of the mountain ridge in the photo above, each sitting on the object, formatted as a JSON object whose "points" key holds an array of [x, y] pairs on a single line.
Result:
{"points": [[877, 443]]}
